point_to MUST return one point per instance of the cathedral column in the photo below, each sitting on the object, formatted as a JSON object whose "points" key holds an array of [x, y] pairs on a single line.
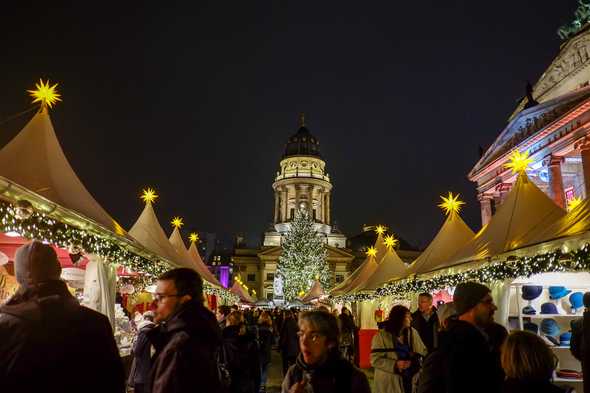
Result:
{"points": [[285, 203], [556, 180], [585, 154], [277, 206], [328, 207], [486, 208]]}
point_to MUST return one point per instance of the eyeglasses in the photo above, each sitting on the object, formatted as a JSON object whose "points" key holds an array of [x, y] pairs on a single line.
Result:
{"points": [[159, 296], [312, 336]]}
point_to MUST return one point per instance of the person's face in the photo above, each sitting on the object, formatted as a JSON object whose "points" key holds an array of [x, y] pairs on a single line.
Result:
{"points": [[424, 304], [408, 320], [312, 344], [167, 300], [484, 311]]}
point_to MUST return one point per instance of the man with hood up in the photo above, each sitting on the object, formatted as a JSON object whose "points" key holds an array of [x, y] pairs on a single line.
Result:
{"points": [[48, 341]]}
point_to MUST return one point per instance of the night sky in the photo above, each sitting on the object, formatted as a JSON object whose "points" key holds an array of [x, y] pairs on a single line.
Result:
{"points": [[198, 100]]}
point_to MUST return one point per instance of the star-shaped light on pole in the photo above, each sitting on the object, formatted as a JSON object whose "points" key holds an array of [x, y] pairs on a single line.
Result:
{"points": [[575, 202], [193, 237], [380, 229], [451, 204], [519, 162], [177, 222], [372, 252], [45, 94], [390, 241], [149, 195]]}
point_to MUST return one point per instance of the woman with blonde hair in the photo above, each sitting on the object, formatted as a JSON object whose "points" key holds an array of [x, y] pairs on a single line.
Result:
{"points": [[529, 364]]}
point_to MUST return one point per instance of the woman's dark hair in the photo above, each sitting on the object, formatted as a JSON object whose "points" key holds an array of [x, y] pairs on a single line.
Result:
{"points": [[187, 282], [325, 323], [395, 322]]}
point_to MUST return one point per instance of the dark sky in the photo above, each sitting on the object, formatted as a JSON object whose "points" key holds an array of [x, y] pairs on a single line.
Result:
{"points": [[198, 100]]}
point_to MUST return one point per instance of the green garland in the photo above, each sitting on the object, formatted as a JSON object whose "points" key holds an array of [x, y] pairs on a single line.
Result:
{"points": [[42, 227], [512, 267]]}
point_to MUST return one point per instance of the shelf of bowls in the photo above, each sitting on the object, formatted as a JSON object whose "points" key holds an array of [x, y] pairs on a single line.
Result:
{"points": [[546, 304]]}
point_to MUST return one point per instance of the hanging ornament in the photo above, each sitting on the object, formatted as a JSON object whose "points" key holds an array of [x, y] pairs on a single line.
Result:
{"points": [[24, 209]]}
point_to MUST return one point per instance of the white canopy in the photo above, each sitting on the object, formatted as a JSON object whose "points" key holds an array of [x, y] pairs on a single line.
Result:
{"points": [[239, 291], [390, 267], [525, 210], [149, 233], [315, 292], [35, 160], [452, 236], [201, 267]]}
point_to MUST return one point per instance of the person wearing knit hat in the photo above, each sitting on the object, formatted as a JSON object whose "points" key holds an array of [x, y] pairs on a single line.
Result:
{"points": [[43, 328], [474, 303]]}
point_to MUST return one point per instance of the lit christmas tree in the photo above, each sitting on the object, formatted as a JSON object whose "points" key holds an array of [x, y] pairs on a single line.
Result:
{"points": [[303, 259]]}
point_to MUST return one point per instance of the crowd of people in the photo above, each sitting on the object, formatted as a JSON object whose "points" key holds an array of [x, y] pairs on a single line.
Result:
{"points": [[48, 340]]}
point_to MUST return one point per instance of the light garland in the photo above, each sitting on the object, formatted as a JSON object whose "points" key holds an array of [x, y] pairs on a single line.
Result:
{"points": [[512, 267]]}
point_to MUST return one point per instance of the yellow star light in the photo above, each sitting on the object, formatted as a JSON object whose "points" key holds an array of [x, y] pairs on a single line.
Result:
{"points": [[380, 229], [575, 202], [45, 94], [390, 241], [518, 162], [451, 204], [372, 252], [193, 237], [177, 222], [149, 195]]}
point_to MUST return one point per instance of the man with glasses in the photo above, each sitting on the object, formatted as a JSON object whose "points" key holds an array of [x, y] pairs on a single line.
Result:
{"points": [[187, 337]]}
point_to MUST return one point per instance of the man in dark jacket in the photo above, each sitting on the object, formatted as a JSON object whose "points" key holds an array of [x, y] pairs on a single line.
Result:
{"points": [[48, 342], [187, 339], [289, 343], [425, 321], [464, 361]]}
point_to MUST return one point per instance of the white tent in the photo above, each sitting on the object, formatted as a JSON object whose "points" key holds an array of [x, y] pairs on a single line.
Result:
{"points": [[35, 160], [525, 210], [148, 231], [364, 271], [239, 291], [391, 266], [179, 246], [452, 236], [315, 292], [206, 273]]}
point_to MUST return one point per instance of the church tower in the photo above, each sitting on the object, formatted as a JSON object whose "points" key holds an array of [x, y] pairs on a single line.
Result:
{"points": [[303, 183]]}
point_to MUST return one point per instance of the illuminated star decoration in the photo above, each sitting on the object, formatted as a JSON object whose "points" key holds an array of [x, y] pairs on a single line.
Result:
{"points": [[390, 241], [193, 237], [451, 204], [45, 94], [519, 162], [177, 222], [372, 252], [575, 202], [380, 229], [149, 195]]}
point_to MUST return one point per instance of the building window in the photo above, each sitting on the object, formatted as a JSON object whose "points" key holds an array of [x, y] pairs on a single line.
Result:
{"points": [[314, 214], [292, 214], [339, 278], [270, 276], [251, 277], [243, 268], [269, 296]]}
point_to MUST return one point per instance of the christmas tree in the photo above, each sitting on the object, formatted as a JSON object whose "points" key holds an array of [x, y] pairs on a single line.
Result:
{"points": [[303, 259]]}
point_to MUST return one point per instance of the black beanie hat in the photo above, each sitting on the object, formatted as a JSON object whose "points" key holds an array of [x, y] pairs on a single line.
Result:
{"points": [[35, 263], [467, 295]]}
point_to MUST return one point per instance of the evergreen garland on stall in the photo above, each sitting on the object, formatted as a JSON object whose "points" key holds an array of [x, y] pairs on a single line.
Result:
{"points": [[303, 259]]}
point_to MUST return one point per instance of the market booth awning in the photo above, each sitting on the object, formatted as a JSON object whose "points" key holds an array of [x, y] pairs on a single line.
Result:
{"points": [[239, 291], [315, 292], [389, 267]]}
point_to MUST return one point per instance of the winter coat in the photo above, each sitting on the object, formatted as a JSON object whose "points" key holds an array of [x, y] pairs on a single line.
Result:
{"points": [[577, 341], [48, 342], [528, 386], [142, 354], [463, 363], [243, 362], [265, 338], [335, 375], [186, 348], [383, 358], [289, 343], [428, 330]]}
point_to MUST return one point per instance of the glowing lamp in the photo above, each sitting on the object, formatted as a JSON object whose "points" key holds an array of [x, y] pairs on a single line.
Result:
{"points": [[372, 252], [45, 94], [451, 204], [149, 195], [519, 162]]}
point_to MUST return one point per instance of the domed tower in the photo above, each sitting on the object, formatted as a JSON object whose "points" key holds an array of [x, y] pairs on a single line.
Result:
{"points": [[302, 182]]}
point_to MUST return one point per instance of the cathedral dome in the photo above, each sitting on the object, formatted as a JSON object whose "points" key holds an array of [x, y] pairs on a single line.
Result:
{"points": [[303, 143]]}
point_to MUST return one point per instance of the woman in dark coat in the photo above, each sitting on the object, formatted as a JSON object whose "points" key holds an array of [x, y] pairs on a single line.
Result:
{"points": [[242, 353], [265, 339]]}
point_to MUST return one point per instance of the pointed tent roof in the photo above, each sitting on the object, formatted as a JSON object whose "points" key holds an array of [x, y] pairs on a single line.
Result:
{"points": [[315, 292], [391, 266], [525, 209], [148, 231], [201, 267], [178, 244], [363, 271], [237, 290], [452, 236], [44, 169]]}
